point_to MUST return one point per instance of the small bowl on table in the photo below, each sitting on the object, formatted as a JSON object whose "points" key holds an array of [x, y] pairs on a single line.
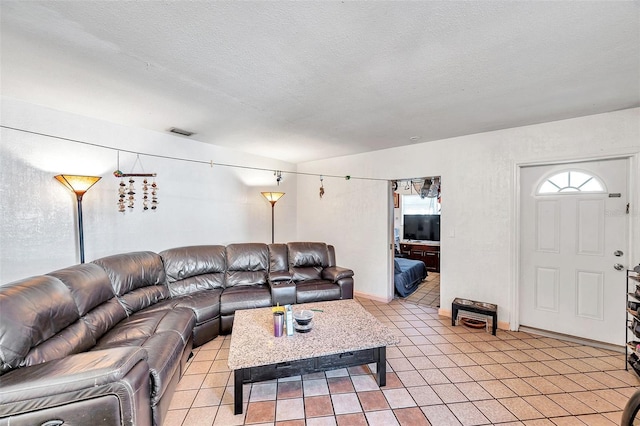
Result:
{"points": [[303, 317]]}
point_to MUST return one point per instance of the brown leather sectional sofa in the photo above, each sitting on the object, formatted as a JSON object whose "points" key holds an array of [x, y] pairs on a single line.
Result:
{"points": [[106, 342]]}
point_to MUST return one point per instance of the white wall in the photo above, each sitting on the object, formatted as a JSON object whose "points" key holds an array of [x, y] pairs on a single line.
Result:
{"points": [[478, 216], [198, 204], [353, 216]]}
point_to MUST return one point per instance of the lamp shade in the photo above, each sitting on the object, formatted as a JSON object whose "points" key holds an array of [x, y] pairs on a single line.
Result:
{"points": [[272, 197], [78, 184]]}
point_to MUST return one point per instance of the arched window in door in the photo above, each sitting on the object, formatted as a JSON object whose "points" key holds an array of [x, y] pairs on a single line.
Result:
{"points": [[571, 181]]}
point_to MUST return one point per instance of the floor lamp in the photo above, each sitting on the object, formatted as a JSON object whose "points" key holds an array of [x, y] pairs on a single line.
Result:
{"points": [[273, 198], [79, 185]]}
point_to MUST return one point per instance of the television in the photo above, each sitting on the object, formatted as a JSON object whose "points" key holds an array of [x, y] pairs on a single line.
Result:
{"points": [[424, 227]]}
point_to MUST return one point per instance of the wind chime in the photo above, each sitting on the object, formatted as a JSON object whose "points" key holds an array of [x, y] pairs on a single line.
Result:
{"points": [[126, 193]]}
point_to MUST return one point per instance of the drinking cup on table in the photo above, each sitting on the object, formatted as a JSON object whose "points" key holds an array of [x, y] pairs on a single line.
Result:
{"points": [[278, 323]]}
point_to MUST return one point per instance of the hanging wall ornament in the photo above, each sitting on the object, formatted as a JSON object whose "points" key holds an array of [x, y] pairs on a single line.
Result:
{"points": [[154, 193], [131, 193], [321, 187], [121, 196], [145, 195], [126, 194]]}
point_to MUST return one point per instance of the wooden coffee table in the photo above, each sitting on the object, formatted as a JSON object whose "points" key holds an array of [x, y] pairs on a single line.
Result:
{"points": [[344, 334]]}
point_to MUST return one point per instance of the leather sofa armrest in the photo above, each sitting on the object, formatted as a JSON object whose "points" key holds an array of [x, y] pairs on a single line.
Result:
{"points": [[336, 273], [112, 385], [341, 276], [70, 374], [283, 292], [277, 277]]}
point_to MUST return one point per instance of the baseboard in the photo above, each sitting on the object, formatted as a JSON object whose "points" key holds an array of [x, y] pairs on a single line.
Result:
{"points": [[502, 325], [371, 297], [573, 339], [444, 312]]}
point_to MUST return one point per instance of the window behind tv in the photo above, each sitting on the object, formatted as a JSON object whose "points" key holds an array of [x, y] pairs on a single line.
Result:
{"points": [[421, 227]]}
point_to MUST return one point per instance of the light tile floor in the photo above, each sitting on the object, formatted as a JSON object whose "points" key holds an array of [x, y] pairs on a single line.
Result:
{"points": [[428, 292], [438, 374]]}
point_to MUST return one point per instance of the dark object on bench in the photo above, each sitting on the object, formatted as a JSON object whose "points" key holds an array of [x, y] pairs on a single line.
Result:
{"points": [[482, 308]]}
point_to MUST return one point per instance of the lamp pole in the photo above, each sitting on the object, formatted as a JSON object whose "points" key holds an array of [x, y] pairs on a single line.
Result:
{"points": [[80, 227], [273, 207]]}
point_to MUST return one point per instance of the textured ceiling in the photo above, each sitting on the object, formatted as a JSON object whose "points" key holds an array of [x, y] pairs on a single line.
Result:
{"points": [[300, 81]]}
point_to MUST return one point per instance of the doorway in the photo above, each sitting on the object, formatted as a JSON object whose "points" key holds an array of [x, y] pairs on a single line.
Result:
{"points": [[415, 227], [573, 231]]}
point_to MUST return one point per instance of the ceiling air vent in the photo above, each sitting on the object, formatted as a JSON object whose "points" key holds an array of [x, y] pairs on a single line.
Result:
{"points": [[181, 131]]}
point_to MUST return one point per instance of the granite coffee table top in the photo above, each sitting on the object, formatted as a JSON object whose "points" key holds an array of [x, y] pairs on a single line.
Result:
{"points": [[342, 326]]}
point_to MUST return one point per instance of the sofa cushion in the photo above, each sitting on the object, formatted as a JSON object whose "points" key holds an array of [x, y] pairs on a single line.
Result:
{"points": [[308, 273], [141, 298], [32, 311], [316, 291], [73, 339], [104, 317], [89, 285], [138, 279], [308, 254], [307, 259], [204, 304], [144, 324], [129, 271], [244, 297], [278, 260], [247, 264], [194, 268]]}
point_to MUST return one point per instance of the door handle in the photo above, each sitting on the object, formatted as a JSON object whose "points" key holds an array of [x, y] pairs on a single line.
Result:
{"points": [[618, 253], [618, 267]]}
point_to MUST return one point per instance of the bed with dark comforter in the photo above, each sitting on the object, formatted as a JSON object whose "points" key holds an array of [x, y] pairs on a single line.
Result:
{"points": [[408, 274]]}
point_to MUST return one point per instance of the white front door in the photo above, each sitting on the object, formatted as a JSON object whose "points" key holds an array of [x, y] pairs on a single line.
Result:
{"points": [[573, 220]]}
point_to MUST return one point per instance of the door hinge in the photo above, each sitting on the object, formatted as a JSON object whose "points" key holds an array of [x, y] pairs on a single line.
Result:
{"points": [[628, 208]]}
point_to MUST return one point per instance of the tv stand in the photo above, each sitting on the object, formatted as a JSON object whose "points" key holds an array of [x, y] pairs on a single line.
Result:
{"points": [[427, 251]]}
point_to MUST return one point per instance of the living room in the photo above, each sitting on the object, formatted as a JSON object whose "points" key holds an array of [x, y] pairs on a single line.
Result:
{"points": [[479, 169], [209, 189]]}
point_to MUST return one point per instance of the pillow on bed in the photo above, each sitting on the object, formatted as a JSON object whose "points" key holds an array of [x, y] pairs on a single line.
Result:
{"points": [[396, 267]]}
